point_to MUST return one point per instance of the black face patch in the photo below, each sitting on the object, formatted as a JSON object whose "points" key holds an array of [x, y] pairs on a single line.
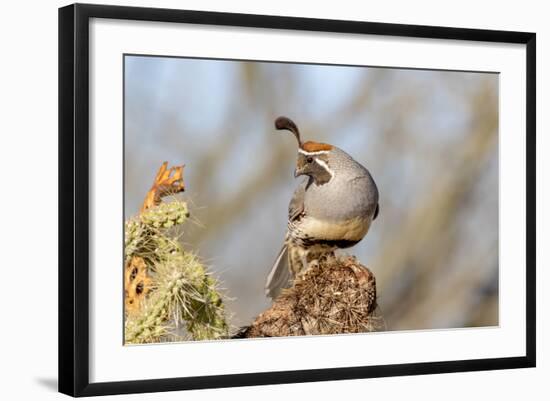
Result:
{"points": [[315, 165]]}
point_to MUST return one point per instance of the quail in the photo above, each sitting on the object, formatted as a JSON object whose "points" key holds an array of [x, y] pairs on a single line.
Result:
{"points": [[331, 209]]}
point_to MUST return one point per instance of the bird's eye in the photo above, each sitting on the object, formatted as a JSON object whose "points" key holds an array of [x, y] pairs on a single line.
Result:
{"points": [[309, 160]]}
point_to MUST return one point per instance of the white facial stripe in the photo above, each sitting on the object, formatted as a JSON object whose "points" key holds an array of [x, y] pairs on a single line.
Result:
{"points": [[325, 166], [319, 152]]}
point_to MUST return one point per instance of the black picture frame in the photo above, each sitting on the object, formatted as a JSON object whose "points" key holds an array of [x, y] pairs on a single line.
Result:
{"points": [[74, 198]]}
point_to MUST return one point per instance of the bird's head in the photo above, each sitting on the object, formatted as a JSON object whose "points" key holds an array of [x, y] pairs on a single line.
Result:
{"points": [[314, 158]]}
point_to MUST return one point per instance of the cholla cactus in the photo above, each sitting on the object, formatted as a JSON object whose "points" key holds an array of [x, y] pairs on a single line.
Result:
{"points": [[183, 300], [336, 295], [144, 235]]}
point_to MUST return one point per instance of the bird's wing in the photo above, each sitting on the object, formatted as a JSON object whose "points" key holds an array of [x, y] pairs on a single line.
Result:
{"points": [[296, 205], [377, 210]]}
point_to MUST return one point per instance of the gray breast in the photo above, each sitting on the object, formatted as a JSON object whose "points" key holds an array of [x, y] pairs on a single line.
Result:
{"points": [[342, 199], [351, 193]]}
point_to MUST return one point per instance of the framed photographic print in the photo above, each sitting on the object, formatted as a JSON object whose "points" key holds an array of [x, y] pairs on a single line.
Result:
{"points": [[252, 199]]}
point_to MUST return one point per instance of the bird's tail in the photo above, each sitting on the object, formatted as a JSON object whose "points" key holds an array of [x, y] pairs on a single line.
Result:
{"points": [[279, 277]]}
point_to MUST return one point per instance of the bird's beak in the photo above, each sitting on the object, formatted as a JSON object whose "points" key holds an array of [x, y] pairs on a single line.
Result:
{"points": [[297, 173]]}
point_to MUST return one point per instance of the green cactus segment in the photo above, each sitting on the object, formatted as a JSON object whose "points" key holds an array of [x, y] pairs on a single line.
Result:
{"points": [[165, 215], [145, 235], [184, 302]]}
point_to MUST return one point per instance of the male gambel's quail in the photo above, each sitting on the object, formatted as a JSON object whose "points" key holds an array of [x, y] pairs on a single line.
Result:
{"points": [[333, 208]]}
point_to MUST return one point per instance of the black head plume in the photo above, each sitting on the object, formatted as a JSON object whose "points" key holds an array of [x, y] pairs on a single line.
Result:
{"points": [[286, 123]]}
